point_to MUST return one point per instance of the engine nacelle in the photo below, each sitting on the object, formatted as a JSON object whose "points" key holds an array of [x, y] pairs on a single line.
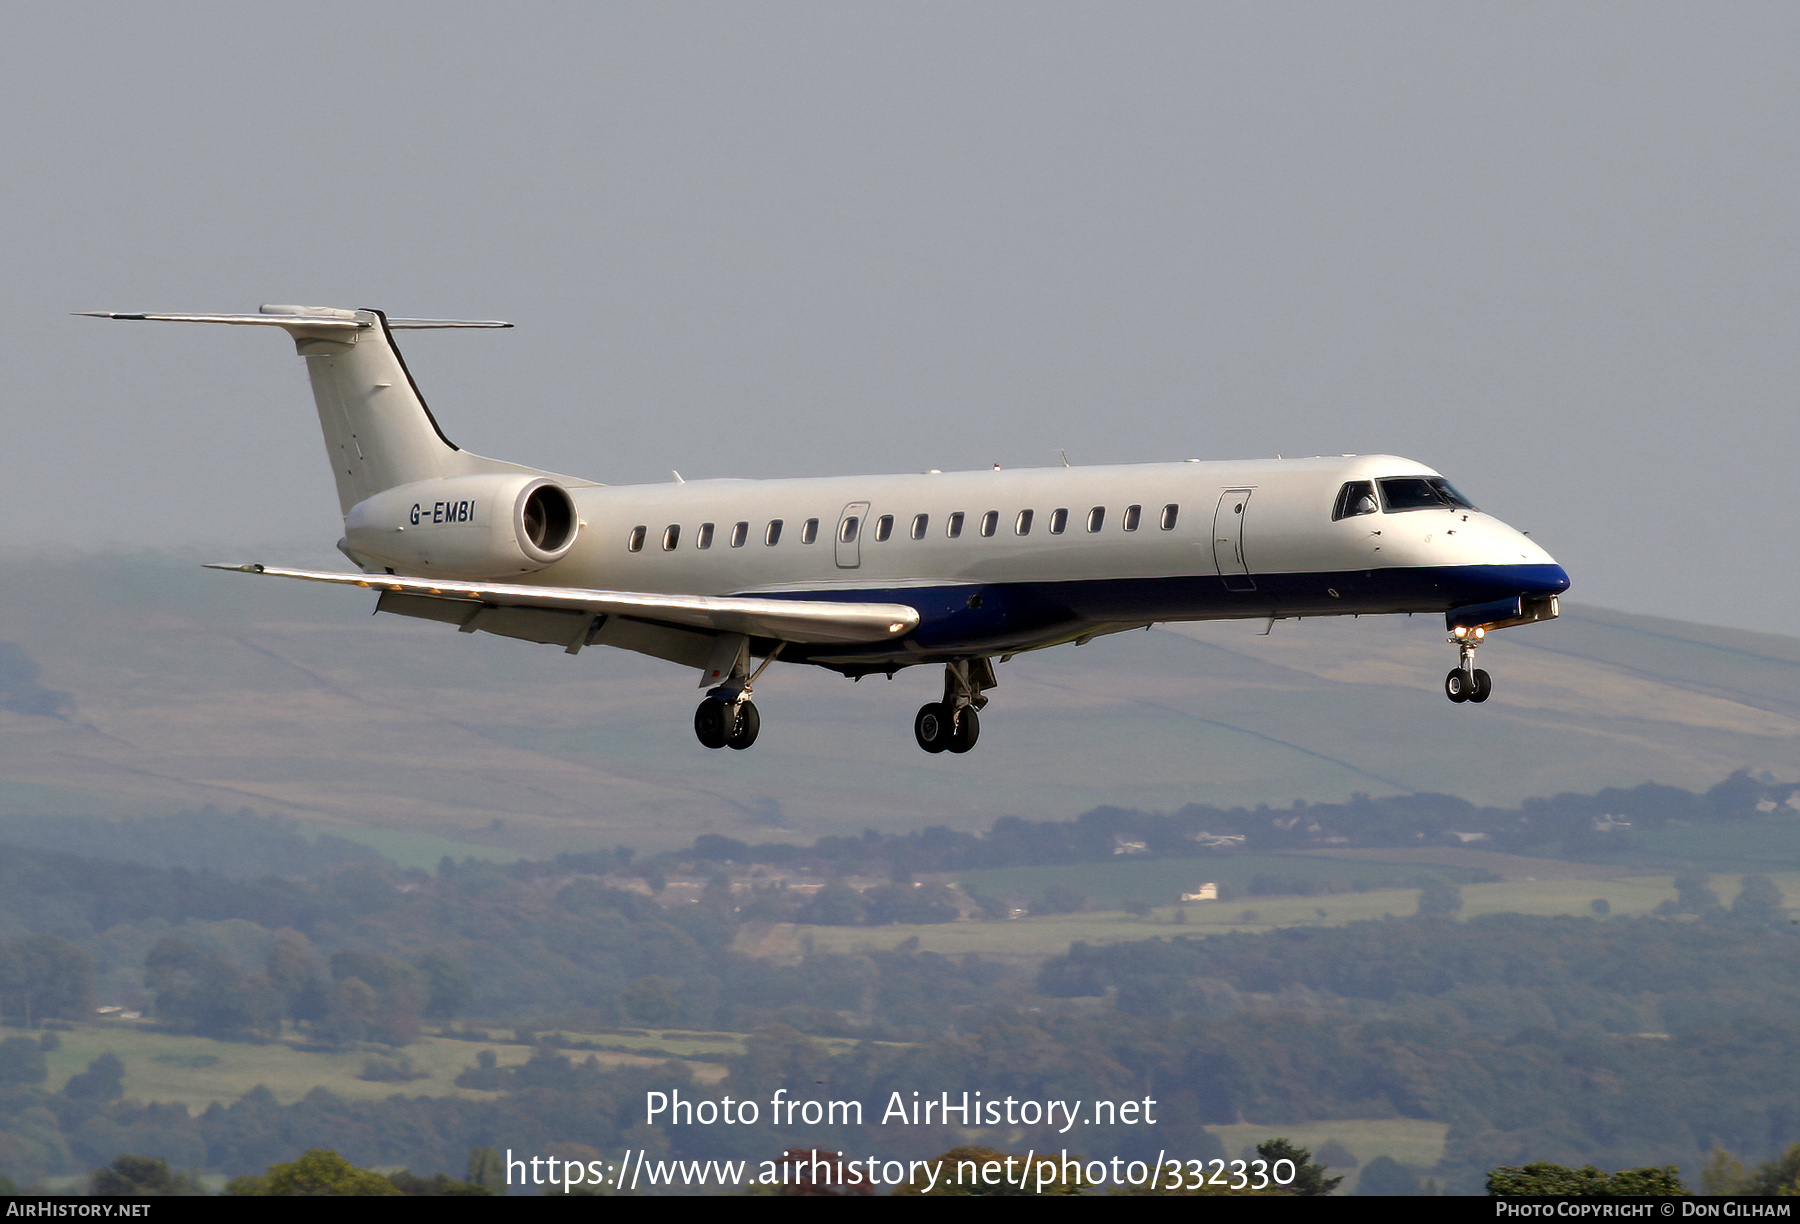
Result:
{"points": [[464, 527]]}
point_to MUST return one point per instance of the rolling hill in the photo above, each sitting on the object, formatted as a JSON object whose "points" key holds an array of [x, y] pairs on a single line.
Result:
{"points": [[141, 683]]}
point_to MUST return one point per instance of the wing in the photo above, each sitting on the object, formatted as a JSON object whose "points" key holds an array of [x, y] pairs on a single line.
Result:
{"points": [[575, 616]]}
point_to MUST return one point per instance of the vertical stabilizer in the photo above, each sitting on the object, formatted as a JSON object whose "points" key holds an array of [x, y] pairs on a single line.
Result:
{"points": [[378, 431]]}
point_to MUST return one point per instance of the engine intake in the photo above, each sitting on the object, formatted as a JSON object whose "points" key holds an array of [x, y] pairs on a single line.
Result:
{"points": [[546, 521]]}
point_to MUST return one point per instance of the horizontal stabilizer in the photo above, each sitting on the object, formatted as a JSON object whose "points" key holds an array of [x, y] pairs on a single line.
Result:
{"points": [[307, 317], [802, 621], [378, 432]]}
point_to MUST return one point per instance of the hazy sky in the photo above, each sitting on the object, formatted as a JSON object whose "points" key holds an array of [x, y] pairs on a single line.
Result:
{"points": [[1549, 249]]}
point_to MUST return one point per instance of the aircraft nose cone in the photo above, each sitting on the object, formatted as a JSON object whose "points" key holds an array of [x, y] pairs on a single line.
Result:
{"points": [[1549, 580]]}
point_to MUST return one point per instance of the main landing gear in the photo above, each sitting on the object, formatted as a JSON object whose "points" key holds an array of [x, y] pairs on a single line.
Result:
{"points": [[719, 723], [953, 724], [728, 718], [1466, 682]]}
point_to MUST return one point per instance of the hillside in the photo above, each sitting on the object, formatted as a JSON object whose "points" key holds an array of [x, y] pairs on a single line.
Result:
{"points": [[187, 687]]}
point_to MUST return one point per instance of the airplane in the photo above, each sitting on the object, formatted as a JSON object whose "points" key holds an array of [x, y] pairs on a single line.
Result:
{"points": [[867, 575]]}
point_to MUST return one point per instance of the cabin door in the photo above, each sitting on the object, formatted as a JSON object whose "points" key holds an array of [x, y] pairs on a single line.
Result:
{"points": [[849, 534], [1228, 540]]}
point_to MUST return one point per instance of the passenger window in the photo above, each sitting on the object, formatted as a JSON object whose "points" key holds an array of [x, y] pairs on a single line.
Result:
{"points": [[1169, 514], [990, 523], [848, 528], [1356, 497], [739, 533], [704, 538], [636, 542], [884, 527], [1132, 515], [920, 523], [953, 529], [809, 531], [671, 537], [1096, 518], [1059, 519], [773, 535], [1022, 526]]}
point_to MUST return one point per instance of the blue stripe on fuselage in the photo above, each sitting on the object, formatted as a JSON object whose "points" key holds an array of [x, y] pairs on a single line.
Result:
{"points": [[987, 618]]}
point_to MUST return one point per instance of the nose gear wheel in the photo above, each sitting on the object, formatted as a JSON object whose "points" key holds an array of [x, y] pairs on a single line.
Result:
{"points": [[1466, 682]]}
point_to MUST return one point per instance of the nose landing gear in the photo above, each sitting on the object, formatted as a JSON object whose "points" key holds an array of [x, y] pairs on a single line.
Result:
{"points": [[1466, 682], [953, 724]]}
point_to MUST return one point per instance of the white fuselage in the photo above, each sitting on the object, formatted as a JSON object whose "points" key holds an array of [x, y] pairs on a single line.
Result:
{"points": [[1206, 540], [1287, 528]]}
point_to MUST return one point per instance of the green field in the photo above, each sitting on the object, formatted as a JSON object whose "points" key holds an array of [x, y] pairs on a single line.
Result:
{"points": [[1034, 938], [1764, 844], [198, 1070], [1162, 881]]}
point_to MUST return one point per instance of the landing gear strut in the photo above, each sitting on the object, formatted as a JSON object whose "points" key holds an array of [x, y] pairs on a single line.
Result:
{"points": [[728, 718], [1466, 682], [953, 724]]}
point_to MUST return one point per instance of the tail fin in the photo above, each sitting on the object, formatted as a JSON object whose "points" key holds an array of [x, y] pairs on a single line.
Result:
{"points": [[378, 431]]}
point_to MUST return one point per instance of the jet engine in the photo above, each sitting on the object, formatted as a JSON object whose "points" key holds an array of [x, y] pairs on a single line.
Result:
{"points": [[492, 526]]}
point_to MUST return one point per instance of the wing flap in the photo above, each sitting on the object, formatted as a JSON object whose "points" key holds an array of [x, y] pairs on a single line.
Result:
{"points": [[803, 621]]}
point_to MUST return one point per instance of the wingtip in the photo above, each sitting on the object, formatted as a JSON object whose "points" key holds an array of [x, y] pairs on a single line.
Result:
{"points": [[255, 567]]}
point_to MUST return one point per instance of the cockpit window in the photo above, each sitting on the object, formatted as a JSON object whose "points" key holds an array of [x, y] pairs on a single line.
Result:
{"points": [[1357, 497], [1421, 493]]}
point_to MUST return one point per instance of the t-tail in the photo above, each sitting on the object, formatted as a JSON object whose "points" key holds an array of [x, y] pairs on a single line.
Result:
{"points": [[389, 456]]}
